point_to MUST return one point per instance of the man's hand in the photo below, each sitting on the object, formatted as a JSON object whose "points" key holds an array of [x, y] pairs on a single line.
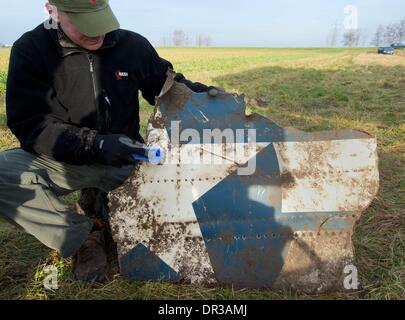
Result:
{"points": [[116, 150], [197, 86]]}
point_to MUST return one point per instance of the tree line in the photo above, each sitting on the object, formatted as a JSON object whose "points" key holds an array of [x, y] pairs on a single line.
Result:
{"points": [[392, 33], [384, 35], [179, 39]]}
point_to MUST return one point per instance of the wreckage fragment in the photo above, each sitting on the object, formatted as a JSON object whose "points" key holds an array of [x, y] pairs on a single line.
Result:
{"points": [[276, 212]]}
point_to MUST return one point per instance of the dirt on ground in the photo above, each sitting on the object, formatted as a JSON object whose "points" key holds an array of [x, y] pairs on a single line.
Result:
{"points": [[380, 59]]}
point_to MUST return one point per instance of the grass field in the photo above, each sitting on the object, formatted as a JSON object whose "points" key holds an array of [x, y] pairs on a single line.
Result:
{"points": [[309, 89]]}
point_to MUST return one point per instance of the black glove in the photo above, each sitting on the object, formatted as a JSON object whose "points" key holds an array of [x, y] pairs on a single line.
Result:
{"points": [[116, 149], [197, 86]]}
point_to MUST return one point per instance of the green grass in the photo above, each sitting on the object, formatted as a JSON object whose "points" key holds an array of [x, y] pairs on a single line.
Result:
{"points": [[309, 89]]}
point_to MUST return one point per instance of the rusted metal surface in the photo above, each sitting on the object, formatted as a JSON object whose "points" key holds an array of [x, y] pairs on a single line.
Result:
{"points": [[288, 223]]}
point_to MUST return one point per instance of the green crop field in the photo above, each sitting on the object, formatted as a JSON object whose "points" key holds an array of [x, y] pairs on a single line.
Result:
{"points": [[309, 89]]}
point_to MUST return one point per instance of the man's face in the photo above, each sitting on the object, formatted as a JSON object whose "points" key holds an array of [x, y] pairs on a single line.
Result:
{"points": [[89, 43]]}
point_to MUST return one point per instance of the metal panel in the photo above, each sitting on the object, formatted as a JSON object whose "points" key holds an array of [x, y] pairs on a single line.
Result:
{"points": [[286, 224]]}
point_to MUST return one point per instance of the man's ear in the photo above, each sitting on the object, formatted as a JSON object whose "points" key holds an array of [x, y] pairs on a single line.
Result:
{"points": [[52, 11]]}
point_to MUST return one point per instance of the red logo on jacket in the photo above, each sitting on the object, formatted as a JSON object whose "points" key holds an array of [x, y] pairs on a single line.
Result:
{"points": [[119, 74]]}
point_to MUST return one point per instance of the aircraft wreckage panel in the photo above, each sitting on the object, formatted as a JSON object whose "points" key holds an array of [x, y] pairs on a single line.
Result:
{"points": [[277, 213]]}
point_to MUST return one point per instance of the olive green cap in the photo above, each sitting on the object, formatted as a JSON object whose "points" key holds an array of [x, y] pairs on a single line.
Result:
{"points": [[91, 17]]}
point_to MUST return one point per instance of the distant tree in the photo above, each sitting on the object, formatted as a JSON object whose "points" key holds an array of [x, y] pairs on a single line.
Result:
{"points": [[164, 42], [333, 36], [199, 40], [401, 31], [378, 36], [363, 38], [203, 40], [187, 40], [391, 34], [208, 41], [351, 38], [2, 45], [348, 38], [179, 38]]}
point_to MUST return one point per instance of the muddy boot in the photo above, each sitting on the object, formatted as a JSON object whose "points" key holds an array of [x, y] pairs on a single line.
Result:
{"points": [[86, 204], [93, 203], [91, 259]]}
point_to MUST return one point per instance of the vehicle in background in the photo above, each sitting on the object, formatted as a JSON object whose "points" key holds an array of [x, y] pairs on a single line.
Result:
{"points": [[386, 50], [399, 46]]}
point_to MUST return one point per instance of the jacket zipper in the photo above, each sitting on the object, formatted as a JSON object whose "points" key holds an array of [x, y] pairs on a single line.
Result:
{"points": [[91, 62], [105, 106]]}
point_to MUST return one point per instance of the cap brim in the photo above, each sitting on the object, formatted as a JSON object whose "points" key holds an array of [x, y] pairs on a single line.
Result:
{"points": [[94, 24]]}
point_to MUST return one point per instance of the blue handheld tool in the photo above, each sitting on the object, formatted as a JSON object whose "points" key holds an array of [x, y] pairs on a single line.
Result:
{"points": [[152, 155]]}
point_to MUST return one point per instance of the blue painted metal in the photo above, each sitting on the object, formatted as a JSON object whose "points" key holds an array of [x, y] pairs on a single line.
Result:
{"points": [[248, 240], [142, 264], [232, 109]]}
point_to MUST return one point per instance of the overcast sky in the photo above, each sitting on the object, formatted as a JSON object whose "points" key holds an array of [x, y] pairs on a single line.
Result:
{"points": [[263, 23]]}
